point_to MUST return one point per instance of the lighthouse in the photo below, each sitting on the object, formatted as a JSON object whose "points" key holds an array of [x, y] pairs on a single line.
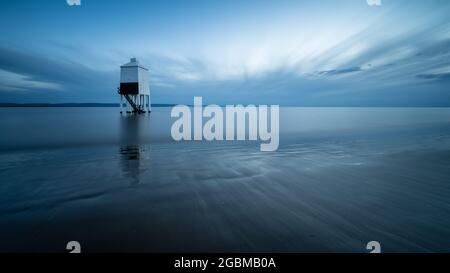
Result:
{"points": [[134, 89]]}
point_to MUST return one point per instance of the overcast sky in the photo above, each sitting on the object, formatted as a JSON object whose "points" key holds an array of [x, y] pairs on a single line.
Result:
{"points": [[307, 53]]}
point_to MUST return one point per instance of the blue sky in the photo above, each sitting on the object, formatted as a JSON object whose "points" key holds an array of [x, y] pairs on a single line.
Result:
{"points": [[307, 53]]}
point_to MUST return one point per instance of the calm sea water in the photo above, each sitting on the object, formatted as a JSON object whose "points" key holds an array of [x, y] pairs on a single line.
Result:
{"points": [[342, 177]]}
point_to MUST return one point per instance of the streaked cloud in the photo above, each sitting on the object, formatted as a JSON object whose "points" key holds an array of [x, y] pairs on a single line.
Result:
{"points": [[299, 52], [17, 82]]}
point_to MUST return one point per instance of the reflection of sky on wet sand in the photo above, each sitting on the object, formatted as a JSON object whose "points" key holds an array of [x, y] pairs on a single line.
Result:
{"points": [[321, 191]]}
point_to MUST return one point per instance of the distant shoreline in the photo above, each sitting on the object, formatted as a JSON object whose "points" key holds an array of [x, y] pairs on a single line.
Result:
{"points": [[72, 105], [24, 105]]}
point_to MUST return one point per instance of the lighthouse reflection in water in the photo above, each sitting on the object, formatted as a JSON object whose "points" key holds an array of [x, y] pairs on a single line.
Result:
{"points": [[132, 151]]}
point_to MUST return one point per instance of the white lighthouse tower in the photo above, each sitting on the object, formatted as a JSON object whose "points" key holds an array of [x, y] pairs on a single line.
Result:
{"points": [[134, 87]]}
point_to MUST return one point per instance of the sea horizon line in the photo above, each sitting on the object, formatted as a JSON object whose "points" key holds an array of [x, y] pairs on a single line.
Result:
{"points": [[101, 104]]}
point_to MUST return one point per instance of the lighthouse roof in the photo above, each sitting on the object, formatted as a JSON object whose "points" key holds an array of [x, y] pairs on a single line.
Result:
{"points": [[134, 63]]}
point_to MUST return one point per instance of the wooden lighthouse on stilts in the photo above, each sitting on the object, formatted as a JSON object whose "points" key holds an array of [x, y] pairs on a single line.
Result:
{"points": [[134, 88]]}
